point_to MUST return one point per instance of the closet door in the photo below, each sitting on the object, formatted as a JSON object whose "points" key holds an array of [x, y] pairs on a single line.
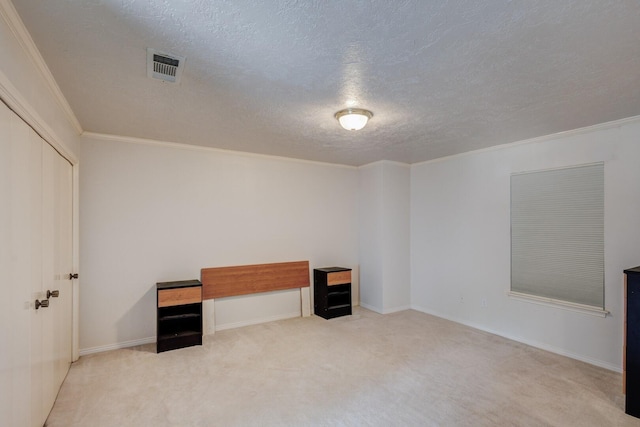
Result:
{"points": [[35, 257], [63, 265], [41, 318], [54, 327], [46, 330], [20, 263]]}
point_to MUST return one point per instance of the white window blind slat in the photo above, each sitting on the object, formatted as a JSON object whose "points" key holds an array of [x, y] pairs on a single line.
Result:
{"points": [[557, 234]]}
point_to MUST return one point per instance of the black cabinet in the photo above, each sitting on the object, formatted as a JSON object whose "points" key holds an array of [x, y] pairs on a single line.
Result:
{"points": [[179, 314], [332, 292], [631, 362]]}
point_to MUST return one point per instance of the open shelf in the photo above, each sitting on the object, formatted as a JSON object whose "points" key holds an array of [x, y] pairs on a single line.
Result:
{"points": [[179, 314], [332, 292], [178, 334]]}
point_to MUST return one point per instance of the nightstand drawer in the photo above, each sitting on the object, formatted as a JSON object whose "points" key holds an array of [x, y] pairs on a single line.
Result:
{"points": [[338, 278], [179, 296]]}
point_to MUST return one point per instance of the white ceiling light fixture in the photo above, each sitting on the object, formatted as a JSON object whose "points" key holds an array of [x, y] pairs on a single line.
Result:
{"points": [[353, 118]]}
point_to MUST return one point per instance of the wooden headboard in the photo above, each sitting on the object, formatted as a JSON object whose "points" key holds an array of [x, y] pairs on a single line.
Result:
{"points": [[222, 282]]}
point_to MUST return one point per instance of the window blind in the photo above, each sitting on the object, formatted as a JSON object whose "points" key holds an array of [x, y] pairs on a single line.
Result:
{"points": [[557, 234]]}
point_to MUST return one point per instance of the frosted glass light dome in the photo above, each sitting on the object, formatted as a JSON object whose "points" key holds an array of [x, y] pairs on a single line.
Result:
{"points": [[353, 118]]}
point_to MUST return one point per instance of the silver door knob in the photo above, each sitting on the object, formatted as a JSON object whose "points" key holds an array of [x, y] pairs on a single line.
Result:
{"points": [[44, 303], [54, 294]]}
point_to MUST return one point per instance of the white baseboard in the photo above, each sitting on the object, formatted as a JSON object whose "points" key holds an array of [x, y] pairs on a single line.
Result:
{"points": [[370, 307], [150, 340], [519, 339], [257, 321], [552, 349], [385, 311], [396, 309], [116, 346]]}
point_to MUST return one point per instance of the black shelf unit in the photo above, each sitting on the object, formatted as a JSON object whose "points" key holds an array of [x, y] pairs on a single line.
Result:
{"points": [[631, 354], [179, 314], [332, 292]]}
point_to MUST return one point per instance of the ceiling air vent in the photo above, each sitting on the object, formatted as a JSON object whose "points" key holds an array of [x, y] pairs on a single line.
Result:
{"points": [[164, 66]]}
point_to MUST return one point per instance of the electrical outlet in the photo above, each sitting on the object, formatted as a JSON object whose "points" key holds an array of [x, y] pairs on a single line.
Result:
{"points": [[483, 302]]}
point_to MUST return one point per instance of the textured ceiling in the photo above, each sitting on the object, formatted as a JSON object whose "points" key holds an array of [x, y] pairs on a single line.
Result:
{"points": [[441, 77]]}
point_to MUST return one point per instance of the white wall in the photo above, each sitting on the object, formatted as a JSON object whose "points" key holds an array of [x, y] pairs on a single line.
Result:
{"points": [[460, 240], [370, 237], [152, 213], [396, 236], [384, 236]]}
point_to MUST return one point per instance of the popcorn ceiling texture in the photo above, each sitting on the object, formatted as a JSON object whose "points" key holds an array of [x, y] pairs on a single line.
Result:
{"points": [[267, 77]]}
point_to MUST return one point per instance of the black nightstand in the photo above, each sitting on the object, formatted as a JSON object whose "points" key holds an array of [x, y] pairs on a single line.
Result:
{"points": [[179, 306], [332, 292]]}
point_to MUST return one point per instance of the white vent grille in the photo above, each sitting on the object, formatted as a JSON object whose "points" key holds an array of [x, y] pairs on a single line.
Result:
{"points": [[164, 66]]}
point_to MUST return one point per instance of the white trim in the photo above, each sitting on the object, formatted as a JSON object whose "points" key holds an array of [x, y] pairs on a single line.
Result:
{"points": [[117, 346], [544, 138], [536, 344], [11, 17], [396, 309], [16, 102], [392, 162], [75, 284], [190, 147], [386, 310], [370, 307], [564, 305], [257, 321]]}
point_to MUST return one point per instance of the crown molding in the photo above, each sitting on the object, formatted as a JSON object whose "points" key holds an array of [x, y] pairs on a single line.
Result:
{"points": [[10, 95], [558, 135], [190, 147], [11, 17], [385, 162]]}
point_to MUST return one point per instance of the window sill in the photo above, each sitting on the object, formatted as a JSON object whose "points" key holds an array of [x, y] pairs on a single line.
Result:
{"points": [[564, 305]]}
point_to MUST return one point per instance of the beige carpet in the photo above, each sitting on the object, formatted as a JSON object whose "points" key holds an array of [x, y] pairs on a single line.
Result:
{"points": [[402, 369]]}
